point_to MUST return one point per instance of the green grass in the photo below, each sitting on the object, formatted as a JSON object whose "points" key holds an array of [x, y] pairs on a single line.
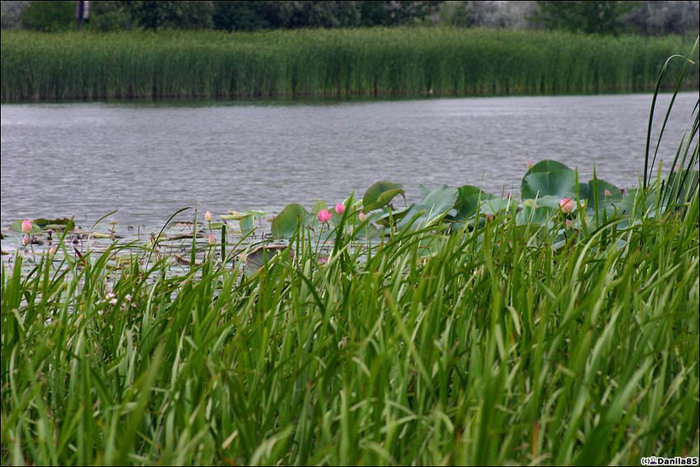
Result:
{"points": [[480, 347], [357, 62]]}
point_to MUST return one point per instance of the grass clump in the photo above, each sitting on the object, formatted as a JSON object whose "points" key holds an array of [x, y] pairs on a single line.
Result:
{"points": [[340, 62]]}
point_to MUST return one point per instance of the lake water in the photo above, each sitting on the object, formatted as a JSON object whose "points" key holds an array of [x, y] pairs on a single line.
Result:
{"points": [[148, 160]]}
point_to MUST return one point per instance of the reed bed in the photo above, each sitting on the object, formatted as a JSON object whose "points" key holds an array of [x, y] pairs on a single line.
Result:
{"points": [[351, 62], [480, 347]]}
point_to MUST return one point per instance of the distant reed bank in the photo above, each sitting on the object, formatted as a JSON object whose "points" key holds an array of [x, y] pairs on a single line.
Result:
{"points": [[377, 62]]}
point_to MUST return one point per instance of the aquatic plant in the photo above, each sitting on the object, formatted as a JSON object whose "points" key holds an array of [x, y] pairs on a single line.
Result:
{"points": [[341, 62]]}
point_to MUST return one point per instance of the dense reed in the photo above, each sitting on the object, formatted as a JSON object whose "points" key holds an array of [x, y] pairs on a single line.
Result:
{"points": [[483, 347], [351, 62]]}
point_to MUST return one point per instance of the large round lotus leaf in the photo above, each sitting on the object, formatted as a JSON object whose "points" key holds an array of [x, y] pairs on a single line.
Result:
{"points": [[615, 193], [546, 201], [540, 215], [286, 223], [380, 194], [17, 227], [433, 208], [468, 198], [394, 217], [495, 205], [547, 166], [560, 183]]}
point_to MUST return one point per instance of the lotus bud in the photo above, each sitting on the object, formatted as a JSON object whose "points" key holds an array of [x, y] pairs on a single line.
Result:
{"points": [[529, 164], [566, 205], [362, 216], [607, 193], [324, 216], [26, 226], [211, 239], [52, 250], [340, 208], [569, 223], [207, 216], [25, 240]]}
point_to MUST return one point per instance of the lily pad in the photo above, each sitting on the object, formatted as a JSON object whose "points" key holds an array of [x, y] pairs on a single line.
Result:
{"points": [[433, 208], [468, 199], [398, 214], [17, 227], [495, 205], [547, 165], [55, 224], [558, 182], [380, 194], [287, 222]]}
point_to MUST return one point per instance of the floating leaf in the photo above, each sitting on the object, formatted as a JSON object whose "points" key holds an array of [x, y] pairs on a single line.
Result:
{"points": [[55, 224], [468, 199], [547, 166], [495, 205], [286, 223], [260, 255], [380, 194], [560, 183], [237, 216], [615, 192], [540, 215], [17, 227], [433, 208], [393, 216], [247, 224]]}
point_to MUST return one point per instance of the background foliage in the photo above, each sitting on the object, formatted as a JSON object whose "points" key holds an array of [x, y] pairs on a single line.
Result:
{"points": [[608, 17]]}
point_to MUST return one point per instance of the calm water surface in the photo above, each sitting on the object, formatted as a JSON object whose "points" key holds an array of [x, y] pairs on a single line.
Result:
{"points": [[148, 160]]}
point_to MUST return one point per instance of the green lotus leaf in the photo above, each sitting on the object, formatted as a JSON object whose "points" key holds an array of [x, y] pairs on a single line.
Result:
{"points": [[558, 182], [17, 227], [380, 194], [286, 223], [433, 208], [495, 205], [547, 166], [540, 215], [468, 199]]}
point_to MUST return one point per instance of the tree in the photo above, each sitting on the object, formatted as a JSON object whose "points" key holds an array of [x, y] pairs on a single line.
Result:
{"points": [[658, 18], [49, 16], [172, 14], [396, 13], [583, 16], [240, 16]]}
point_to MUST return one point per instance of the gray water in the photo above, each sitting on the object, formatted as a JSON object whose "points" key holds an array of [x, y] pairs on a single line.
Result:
{"points": [[148, 160]]}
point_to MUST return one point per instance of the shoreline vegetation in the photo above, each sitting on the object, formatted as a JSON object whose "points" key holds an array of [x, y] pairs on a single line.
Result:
{"points": [[369, 62], [562, 336]]}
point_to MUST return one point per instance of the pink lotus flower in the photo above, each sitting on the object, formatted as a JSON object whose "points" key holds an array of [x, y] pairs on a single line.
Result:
{"points": [[340, 208], [26, 226], [212, 239], [207, 216], [566, 205], [324, 216], [607, 193], [362, 216]]}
